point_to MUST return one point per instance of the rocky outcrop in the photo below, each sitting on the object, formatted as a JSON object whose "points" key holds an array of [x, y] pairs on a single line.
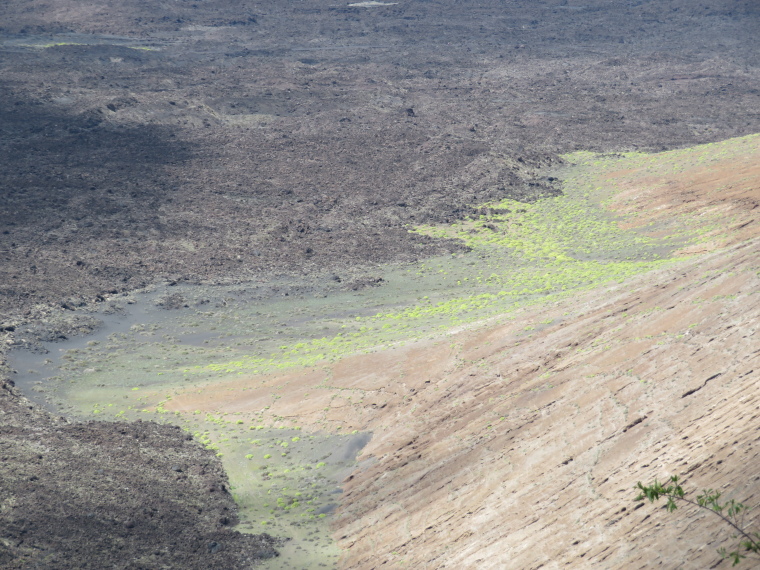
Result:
{"points": [[112, 495]]}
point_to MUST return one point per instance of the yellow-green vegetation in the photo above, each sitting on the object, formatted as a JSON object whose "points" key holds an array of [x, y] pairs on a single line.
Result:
{"points": [[522, 254], [283, 480], [51, 45]]}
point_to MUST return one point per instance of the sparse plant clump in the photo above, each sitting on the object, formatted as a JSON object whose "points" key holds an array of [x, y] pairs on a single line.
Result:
{"points": [[731, 512]]}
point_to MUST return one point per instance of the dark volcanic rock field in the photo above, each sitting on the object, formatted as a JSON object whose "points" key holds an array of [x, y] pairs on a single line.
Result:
{"points": [[242, 139], [228, 140], [104, 495]]}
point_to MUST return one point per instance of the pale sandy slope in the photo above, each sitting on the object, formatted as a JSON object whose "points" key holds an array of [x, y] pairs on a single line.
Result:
{"points": [[521, 452], [589, 407], [517, 445]]}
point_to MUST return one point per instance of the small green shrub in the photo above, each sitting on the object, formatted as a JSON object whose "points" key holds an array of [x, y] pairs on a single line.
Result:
{"points": [[728, 511]]}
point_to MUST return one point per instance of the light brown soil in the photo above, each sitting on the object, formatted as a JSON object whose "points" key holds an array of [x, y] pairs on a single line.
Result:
{"points": [[506, 448], [726, 189]]}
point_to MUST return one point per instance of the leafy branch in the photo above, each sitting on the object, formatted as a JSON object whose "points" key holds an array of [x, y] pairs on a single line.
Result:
{"points": [[709, 500]]}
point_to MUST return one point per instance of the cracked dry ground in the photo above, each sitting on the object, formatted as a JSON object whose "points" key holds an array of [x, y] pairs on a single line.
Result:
{"points": [[503, 447]]}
